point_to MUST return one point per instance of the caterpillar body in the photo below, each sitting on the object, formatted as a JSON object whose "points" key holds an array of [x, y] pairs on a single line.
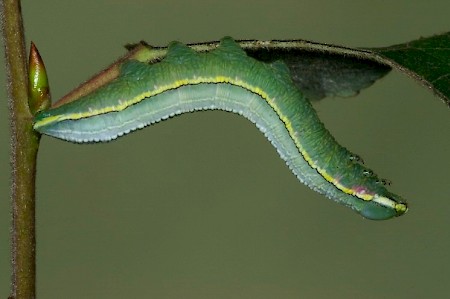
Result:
{"points": [[226, 79]]}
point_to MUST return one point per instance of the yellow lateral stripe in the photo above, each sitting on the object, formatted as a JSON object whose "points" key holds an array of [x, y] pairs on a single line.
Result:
{"points": [[237, 82]]}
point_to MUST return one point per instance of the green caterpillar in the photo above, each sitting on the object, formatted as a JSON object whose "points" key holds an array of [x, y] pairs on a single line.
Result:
{"points": [[226, 79]]}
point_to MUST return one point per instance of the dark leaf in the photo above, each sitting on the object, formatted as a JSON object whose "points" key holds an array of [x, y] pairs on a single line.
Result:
{"points": [[425, 59], [322, 70]]}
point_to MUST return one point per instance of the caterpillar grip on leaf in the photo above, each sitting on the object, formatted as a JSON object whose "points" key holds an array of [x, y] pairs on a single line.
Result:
{"points": [[226, 79]]}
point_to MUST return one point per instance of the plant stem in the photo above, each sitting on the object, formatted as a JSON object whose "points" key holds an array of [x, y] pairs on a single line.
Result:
{"points": [[24, 146]]}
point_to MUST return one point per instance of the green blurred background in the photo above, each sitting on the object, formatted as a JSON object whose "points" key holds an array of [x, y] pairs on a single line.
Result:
{"points": [[201, 206]]}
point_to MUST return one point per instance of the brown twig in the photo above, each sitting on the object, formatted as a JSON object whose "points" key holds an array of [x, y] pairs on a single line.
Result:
{"points": [[24, 146]]}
